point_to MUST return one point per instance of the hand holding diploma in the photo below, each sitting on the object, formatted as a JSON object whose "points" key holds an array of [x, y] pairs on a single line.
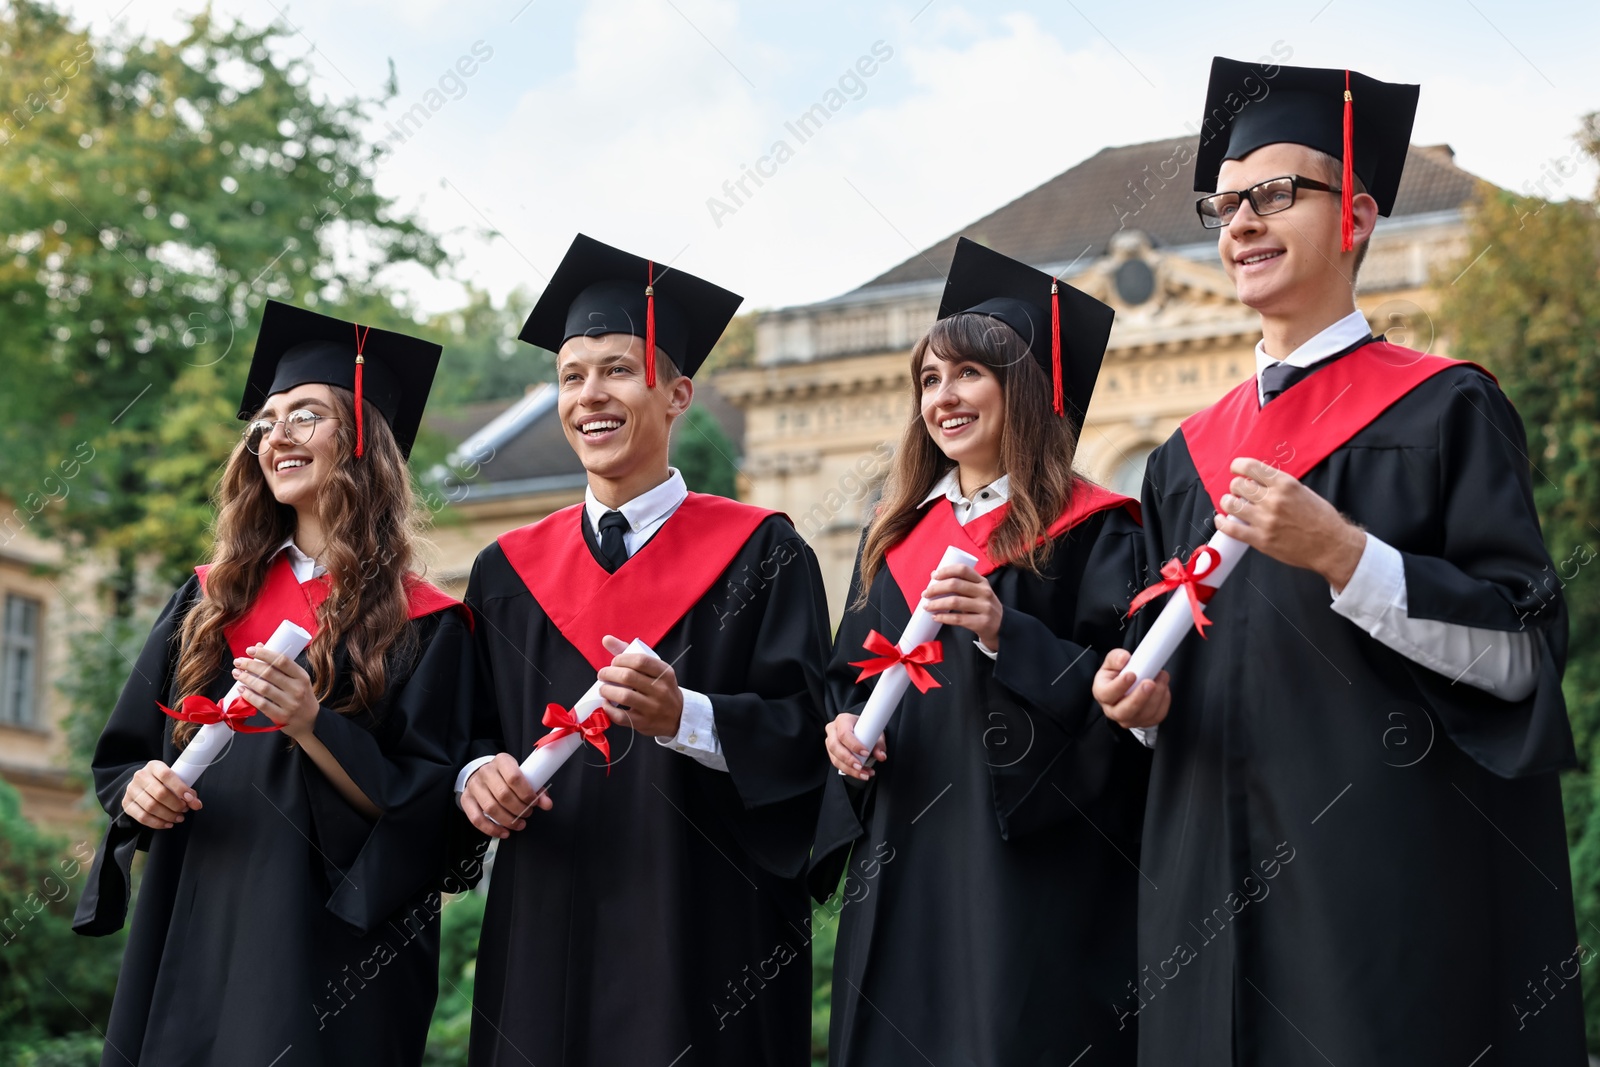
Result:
{"points": [[156, 797], [499, 795], [898, 666], [556, 747], [1272, 512], [641, 690], [211, 739]]}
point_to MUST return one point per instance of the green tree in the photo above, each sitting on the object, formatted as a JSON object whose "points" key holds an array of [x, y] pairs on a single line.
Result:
{"points": [[154, 195], [708, 460], [50, 978], [735, 348], [483, 360], [1529, 311], [451, 1027]]}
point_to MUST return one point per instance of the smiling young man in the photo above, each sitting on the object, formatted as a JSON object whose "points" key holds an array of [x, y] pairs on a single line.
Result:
{"points": [[1354, 817], [650, 910]]}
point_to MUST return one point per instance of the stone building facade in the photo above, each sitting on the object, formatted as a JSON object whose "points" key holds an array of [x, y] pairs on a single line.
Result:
{"points": [[831, 389]]}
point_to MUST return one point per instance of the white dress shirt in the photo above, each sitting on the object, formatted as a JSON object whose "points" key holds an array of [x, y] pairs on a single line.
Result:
{"points": [[982, 502], [305, 568], [1498, 662], [697, 729]]}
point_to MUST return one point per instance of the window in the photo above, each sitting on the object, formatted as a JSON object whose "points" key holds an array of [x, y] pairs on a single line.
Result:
{"points": [[19, 661], [1129, 477]]}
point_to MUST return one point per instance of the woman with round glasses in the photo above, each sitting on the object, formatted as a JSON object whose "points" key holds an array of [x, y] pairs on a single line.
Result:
{"points": [[289, 906]]}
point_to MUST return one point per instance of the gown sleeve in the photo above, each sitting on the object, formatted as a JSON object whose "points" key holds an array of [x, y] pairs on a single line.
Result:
{"points": [[135, 734], [404, 760], [772, 733], [1491, 571], [842, 818], [1079, 764]]}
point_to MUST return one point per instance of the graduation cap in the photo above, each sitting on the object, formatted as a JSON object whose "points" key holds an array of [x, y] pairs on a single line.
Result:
{"points": [[1364, 122], [1064, 328], [598, 290], [296, 347]]}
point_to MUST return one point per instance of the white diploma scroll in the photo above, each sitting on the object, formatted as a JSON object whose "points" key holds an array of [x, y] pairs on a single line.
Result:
{"points": [[885, 696], [211, 739], [543, 762], [1177, 618]]}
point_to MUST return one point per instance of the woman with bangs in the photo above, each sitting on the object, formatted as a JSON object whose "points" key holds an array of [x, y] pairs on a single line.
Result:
{"points": [[288, 906], [987, 913]]}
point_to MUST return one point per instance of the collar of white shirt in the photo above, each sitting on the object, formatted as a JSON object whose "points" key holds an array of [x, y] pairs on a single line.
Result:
{"points": [[646, 511], [1336, 338], [983, 501], [305, 568]]}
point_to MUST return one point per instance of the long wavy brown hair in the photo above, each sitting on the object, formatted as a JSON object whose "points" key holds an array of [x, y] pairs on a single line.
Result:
{"points": [[1036, 449], [371, 523]]}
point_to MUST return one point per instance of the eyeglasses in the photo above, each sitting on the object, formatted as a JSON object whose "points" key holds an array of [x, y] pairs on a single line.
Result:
{"points": [[1266, 198], [298, 426]]}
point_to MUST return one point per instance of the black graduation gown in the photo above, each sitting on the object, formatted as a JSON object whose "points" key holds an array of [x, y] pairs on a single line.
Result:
{"points": [[1358, 861], [657, 911], [276, 917], [987, 917]]}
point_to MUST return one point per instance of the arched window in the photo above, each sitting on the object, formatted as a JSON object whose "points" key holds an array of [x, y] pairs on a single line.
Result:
{"points": [[1128, 478]]}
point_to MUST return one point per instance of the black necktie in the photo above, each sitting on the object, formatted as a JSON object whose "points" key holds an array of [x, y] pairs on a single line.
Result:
{"points": [[612, 548], [1280, 376]]}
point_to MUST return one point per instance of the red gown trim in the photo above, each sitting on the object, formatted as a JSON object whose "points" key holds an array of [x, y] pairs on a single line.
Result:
{"points": [[1312, 419], [649, 593], [918, 553]]}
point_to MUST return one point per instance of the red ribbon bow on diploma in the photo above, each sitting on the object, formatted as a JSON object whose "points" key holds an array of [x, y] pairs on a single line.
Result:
{"points": [[565, 722], [1187, 576], [916, 661], [205, 711]]}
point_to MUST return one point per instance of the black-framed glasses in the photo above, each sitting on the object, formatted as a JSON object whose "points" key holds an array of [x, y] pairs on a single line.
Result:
{"points": [[1266, 198], [298, 426]]}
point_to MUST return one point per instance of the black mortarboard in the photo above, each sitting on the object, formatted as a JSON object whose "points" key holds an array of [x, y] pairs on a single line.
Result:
{"points": [[1064, 328], [598, 289], [1361, 121], [296, 346]]}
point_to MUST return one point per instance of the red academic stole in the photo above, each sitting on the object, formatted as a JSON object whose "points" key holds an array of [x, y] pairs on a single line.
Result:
{"points": [[914, 558], [282, 597], [649, 593], [1312, 419]]}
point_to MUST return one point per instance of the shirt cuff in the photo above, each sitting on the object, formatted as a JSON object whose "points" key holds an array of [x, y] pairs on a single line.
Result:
{"points": [[986, 650], [1377, 585], [697, 732], [1145, 734], [466, 772]]}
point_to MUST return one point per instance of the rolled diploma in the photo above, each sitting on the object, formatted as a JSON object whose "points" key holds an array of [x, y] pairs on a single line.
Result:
{"points": [[542, 763], [1176, 618], [885, 696], [209, 741]]}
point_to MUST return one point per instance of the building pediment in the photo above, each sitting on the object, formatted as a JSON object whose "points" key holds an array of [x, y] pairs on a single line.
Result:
{"points": [[1162, 297]]}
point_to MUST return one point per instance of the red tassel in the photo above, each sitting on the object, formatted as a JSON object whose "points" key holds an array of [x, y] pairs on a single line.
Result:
{"points": [[361, 342], [650, 329], [1347, 218], [1055, 347]]}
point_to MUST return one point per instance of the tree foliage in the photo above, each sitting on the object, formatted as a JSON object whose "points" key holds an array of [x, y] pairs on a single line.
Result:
{"points": [[707, 458], [154, 196], [1529, 311], [51, 979]]}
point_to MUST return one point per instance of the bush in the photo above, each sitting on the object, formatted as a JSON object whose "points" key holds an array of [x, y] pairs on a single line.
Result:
{"points": [[77, 1050], [51, 980], [460, 922]]}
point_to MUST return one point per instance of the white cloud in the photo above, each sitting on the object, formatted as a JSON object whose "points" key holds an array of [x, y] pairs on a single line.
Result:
{"points": [[650, 123]]}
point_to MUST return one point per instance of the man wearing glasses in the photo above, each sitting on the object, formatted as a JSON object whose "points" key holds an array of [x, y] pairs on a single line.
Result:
{"points": [[1354, 816]]}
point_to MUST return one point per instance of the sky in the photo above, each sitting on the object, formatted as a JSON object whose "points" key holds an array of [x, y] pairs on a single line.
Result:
{"points": [[634, 120]]}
